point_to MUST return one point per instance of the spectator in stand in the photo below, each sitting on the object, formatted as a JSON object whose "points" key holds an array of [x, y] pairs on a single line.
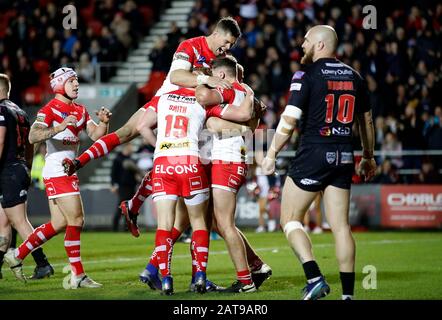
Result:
{"points": [[387, 173], [428, 174], [85, 69], [391, 144]]}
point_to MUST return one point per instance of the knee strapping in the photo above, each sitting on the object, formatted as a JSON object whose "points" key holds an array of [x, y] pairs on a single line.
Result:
{"points": [[292, 225]]}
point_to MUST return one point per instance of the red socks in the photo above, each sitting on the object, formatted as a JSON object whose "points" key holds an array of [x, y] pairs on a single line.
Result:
{"points": [[72, 246], [101, 147], [200, 250], [163, 249], [174, 235], [244, 276], [144, 190], [40, 235]]}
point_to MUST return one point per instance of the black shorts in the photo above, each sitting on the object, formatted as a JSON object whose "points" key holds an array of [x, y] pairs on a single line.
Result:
{"points": [[14, 184], [317, 166]]}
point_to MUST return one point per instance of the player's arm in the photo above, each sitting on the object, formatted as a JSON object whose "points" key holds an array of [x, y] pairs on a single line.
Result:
{"points": [[40, 131], [181, 71], [367, 166], [208, 97], [232, 129], [96, 131], [145, 125], [29, 154], [283, 133], [299, 93], [243, 112], [2, 139]]}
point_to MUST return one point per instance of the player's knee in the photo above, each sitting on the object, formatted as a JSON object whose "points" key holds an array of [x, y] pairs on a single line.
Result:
{"points": [[77, 221], [124, 133], [291, 226]]}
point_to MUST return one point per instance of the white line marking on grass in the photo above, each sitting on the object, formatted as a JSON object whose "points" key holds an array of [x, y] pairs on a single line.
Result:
{"points": [[223, 252]]}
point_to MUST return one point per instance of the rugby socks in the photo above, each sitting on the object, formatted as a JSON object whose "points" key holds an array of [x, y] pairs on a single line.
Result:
{"points": [[311, 270], [164, 248], [200, 250], [153, 258], [254, 261], [244, 276], [39, 236], [39, 257], [100, 148], [72, 246], [144, 190], [348, 284]]}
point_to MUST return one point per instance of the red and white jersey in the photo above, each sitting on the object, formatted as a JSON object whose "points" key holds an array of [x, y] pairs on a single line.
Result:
{"points": [[180, 119], [230, 149], [192, 54], [64, 144]]}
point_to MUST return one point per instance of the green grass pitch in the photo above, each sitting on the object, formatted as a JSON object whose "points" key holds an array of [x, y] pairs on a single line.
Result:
{"points": [[408, 266]]}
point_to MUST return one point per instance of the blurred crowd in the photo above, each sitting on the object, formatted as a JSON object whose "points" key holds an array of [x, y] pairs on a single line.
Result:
{"points": [[400, 58], [33, 41]]}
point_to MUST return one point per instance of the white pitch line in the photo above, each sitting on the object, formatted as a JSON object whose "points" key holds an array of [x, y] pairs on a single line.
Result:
{"points": [[182, 256]]}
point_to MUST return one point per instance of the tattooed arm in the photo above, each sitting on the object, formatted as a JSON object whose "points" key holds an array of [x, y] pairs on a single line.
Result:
{"points": [[40, 132]]}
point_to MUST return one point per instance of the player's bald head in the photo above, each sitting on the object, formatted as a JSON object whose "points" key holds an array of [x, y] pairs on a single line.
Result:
{"points": [[326, 34], [5, 85]]}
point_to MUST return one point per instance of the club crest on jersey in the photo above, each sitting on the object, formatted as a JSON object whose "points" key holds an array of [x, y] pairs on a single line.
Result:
{"points": [[298, 75], [64, 115], [201, 59], [330, 157], [325, 131]]}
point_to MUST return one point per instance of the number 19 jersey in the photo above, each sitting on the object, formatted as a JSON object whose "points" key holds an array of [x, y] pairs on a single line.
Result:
{"points": [[180, 119]]}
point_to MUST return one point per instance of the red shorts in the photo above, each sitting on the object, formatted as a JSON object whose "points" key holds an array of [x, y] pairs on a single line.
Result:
{"points": [[62, 186], [181, 176], [229, 176]]}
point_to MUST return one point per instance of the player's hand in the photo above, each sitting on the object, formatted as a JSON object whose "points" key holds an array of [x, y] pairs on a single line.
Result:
{"points": [[268, 165], [68, 121], [104, 115], [259, 108], [367, 168], [217, 82]]}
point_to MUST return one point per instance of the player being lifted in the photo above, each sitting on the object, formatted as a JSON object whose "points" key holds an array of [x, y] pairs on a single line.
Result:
{"points": [[260, 271], [327, 97], [192, 54], [178, 172], [195, 54], [59, 124]]}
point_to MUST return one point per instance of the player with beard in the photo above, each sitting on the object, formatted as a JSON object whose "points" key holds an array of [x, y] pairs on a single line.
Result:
{"points": [[326, 98]]}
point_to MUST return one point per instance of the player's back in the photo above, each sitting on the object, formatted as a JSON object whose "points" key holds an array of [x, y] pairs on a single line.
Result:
{"points": [[230, 149], [180, 119], [17, 126], [330, 94]]}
